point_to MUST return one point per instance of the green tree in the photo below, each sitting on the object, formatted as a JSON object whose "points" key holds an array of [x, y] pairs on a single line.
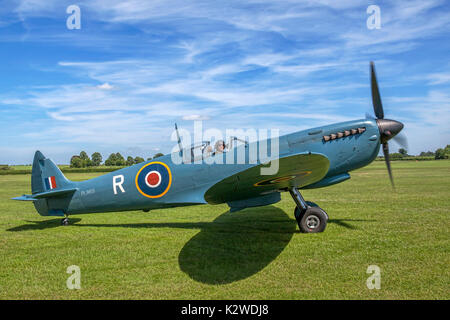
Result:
{"points": [[76, 162], [159, 154], [403, 152], [86, 161], [96, 159], [120, 160], [149, 158], [130, 161], [440, 154], [83, 155], [427, 154], [111, 161], [138, 160], [395, 156]]}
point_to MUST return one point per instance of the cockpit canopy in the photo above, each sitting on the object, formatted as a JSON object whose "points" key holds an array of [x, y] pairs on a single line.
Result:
{"points": [[202, 150]]}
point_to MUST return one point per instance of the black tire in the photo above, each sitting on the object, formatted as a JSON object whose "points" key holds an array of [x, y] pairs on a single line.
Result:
{"points": [[311, 204], [313, 220], [65, 222], [315, 205]]}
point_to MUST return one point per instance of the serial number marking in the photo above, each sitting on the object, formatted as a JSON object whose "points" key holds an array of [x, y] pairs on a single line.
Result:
{"points": [[87, 192]]}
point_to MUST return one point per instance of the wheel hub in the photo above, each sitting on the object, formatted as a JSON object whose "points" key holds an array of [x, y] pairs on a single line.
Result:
{"points": [[312, 222]]}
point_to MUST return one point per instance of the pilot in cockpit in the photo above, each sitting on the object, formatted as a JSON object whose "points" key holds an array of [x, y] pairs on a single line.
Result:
{"points": [[219, 147]]}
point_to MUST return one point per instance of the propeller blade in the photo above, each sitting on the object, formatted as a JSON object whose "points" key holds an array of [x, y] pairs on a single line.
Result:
{"points": [[388, 163], [376, 99], [401, 140]]}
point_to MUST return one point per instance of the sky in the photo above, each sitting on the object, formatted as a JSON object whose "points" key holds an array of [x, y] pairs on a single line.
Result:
{"points": [[134, 68]]}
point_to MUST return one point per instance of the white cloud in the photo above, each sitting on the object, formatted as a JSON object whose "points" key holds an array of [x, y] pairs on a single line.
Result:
{"points": [[284, 61], [196, 117], [439, 78], [105, 86]]}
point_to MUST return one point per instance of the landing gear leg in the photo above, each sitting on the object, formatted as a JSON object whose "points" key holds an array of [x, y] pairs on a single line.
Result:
{"points": [[302, 206], [310, 219], [65, 221]]}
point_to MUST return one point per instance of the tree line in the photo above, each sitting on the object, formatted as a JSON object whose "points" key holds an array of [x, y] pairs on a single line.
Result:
{"points": [[441, 153], [115, 159]]}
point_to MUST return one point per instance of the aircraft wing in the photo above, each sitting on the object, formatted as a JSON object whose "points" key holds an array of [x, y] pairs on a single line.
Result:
{"points": [[294, 171]]}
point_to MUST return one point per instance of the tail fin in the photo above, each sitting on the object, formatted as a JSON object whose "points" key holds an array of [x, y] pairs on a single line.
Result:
{"points": [[51, 191], [46, 176]]}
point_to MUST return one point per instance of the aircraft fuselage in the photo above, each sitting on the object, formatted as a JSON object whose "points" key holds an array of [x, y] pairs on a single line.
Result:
{"points": [[123, 189]]}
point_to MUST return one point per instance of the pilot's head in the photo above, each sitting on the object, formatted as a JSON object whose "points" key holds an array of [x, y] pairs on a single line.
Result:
{"points": [[220, 146]]}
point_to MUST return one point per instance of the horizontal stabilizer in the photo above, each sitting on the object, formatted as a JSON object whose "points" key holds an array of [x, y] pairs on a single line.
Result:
{"points": [[46, 194], [25, 197], [54, 193]]}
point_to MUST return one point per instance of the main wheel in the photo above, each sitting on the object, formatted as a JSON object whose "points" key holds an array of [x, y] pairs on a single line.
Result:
{"points": [[312, 204], [65, 222], [313, 220]]}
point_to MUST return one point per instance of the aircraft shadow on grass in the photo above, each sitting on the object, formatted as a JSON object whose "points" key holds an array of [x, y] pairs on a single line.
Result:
{"points": [[41, 225], [233, 247]]}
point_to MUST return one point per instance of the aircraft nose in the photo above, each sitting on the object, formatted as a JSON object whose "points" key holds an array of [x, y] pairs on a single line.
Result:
{"points": [[389, 128]]}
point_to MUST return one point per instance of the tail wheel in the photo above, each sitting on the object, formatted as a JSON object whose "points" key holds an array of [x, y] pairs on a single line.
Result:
{"points": [[313, 220]]}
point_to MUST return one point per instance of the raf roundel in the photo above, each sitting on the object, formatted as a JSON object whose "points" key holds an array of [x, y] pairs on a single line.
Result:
{"points": [[154, 179]]}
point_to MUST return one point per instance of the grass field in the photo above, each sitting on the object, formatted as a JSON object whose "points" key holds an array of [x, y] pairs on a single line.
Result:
{"points": [[205, 252]]}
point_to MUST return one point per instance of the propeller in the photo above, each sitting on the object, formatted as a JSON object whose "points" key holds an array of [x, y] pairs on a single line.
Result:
{"points": [[401, 140], [388, 128], [376, 98]]}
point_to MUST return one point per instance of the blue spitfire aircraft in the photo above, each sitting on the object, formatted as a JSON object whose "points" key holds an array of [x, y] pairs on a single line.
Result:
{"points": [[313, 158]]}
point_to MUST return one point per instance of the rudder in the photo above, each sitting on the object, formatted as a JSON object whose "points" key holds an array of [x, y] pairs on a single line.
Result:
{"points": [[45, 175], [51, 191]]}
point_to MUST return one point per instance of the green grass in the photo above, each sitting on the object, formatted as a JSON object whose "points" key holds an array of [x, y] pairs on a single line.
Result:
{"points": [[204, 252]]}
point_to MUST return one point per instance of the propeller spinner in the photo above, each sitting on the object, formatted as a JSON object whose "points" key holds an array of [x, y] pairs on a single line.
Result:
{"points": [[388, 128]]}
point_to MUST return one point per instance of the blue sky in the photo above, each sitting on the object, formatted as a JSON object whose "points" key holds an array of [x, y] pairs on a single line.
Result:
{"points": [[137, 67]]}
